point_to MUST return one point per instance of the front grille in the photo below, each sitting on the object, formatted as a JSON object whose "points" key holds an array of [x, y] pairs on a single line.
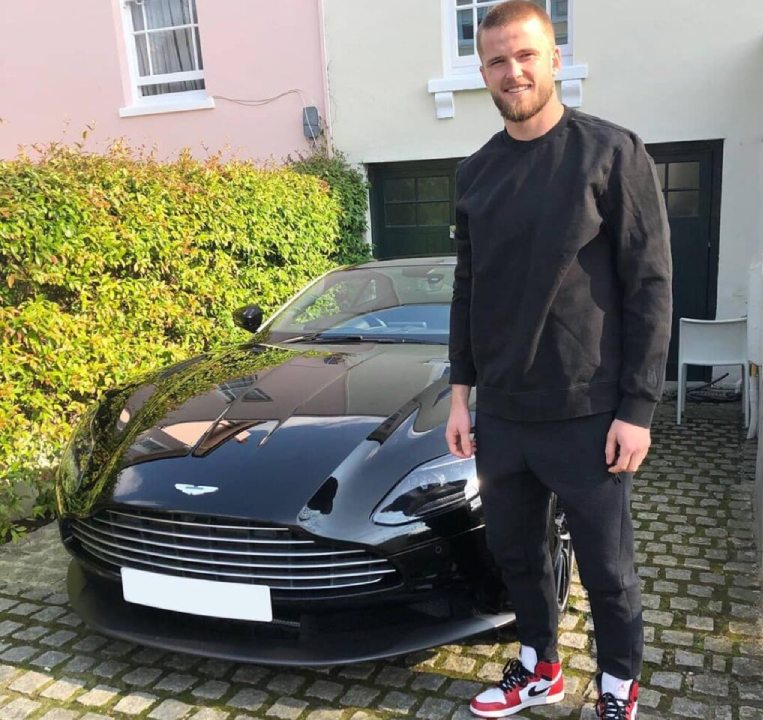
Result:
{"points": [[229, 551]]}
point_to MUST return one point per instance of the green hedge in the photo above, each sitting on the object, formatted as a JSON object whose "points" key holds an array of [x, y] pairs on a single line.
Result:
{"points": [[351, 190], [112, 265]]}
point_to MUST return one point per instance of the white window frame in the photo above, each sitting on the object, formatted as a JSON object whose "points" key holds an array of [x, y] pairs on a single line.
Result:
{"points": [[165, 102], [456, 64], [462, 73]]}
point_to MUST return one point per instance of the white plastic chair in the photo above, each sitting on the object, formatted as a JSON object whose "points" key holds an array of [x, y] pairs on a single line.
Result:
{"points": [[712, 342]]}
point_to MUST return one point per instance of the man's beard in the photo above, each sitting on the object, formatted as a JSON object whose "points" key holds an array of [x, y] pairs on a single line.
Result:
{"points": [[520, 113]]}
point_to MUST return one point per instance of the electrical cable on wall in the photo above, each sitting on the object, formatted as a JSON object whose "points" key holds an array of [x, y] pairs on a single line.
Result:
{"points": [[265, 101]]}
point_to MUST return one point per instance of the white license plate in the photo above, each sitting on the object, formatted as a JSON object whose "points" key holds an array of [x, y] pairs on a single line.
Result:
{"points": [[235, 601]]}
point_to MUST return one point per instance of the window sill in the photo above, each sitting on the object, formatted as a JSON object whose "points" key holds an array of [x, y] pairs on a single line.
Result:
{"points": [[570, 77], [168, 104]]}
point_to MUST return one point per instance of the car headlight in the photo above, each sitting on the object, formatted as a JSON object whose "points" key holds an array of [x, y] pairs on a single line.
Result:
{"points": [[434, 487]]}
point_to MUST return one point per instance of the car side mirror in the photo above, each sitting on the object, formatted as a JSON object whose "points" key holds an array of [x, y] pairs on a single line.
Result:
{"points": [[248, 317]]}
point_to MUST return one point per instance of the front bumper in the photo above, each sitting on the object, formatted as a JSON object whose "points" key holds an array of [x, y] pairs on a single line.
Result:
{"points": [[366, 634]]}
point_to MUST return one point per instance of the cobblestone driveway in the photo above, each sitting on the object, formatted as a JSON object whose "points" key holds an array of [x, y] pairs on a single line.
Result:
{"points": [[704, 655]]}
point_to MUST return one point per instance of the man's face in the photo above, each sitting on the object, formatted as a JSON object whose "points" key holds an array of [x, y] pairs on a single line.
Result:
{"points": [[518, 66]]}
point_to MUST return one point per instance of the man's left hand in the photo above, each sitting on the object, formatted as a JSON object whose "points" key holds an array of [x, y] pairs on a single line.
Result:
{"points": [[627, 446]]}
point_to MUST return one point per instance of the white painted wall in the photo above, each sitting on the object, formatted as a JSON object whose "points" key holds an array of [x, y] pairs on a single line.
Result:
{"points": [[672, 71]]}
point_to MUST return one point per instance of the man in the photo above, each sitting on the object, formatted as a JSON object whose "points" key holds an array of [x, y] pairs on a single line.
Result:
{"points": [[561, 318]]}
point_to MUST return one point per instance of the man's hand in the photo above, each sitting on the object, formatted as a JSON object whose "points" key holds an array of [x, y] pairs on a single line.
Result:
{"points": [[459, 424], [630, 443]]}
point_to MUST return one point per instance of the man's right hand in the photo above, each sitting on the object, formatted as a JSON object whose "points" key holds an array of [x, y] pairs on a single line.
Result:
{"points": [[459, 427]]}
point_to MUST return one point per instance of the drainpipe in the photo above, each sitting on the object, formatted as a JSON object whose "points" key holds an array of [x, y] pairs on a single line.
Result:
{"points": [[325, 69]]}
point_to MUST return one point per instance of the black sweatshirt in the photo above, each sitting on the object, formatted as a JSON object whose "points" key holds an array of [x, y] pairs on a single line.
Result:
{"points": [[562, 293]]}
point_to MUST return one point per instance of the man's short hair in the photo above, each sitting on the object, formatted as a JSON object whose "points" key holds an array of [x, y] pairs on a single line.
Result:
{"points": [[512, 11]]}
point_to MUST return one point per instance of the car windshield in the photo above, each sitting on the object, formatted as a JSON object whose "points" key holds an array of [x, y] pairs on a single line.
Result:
{"points": [[381, 304]]}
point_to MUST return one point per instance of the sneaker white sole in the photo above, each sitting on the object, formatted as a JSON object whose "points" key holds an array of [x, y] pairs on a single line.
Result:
{"points": [[546, 700]]}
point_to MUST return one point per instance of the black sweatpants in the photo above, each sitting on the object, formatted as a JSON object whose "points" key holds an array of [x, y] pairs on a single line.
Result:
{"points": [[519, 464]]}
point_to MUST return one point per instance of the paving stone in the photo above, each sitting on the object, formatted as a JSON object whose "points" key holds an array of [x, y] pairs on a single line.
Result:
{"points": [[358, 671], [750, 713], [90, 643], [435, 709], [392, 676], [658, 617], [7, 672], [19, 654], [134, 703], [432, 683], [711, 685], [97, 697], [325, 714], [325, 690], [718, 645], [669, 680], [463, 689], [58, 638], [50, 659], [30, 634], [648, 698], [211, 689], [63, 689], [176, 683], [250, 674], [459, 664], [18, 709], [142, 676], [170, 710], [695, 622], [287, 708], [248, 699], [286, 683], [59, 714], [109, 669], [216, 669], [79, 664], [359, 696], [689, 659], [397, 702], [29, 683], [210, 714], [677, 637], [48, 614]]}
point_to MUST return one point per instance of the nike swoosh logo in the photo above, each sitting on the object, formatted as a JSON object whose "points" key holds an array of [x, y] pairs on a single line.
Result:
{"points": [[532, 693]]}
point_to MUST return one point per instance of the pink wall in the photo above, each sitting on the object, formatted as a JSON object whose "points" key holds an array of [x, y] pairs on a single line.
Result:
{"points": [[63, 65]]}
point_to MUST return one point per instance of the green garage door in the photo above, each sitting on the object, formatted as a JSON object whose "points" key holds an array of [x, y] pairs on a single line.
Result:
{"points": [[412, 208]]}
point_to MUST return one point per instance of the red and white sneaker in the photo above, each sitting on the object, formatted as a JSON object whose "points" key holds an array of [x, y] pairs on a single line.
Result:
{"points": [[608, 707], [521, 689]]}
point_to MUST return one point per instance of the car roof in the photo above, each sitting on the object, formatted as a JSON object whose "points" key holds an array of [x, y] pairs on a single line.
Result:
{"points": [[409, 261]]}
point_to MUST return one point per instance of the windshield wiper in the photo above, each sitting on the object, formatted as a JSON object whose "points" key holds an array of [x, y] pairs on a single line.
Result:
{"points": [[323, 337]]}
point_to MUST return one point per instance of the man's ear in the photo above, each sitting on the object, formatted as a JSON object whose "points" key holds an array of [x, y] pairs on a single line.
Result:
{"points": [[556, 60], [482, 72]]}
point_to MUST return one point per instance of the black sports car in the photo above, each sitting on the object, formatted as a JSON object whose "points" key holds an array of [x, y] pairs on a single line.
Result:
{"points": [[291, 500]]}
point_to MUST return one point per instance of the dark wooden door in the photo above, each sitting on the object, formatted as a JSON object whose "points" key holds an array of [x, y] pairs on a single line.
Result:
{"points": [[412, 208], [690, 174]]}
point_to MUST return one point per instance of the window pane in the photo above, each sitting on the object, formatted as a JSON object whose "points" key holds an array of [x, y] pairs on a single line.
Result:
{"points": [[400, 189], [198, 50], [660, 167], [136, 11], [558, 12], [465, 25], [193, 11], [434, 213], [683, 175], [433, 188], [163, 88], [142, 50], [167, 13], [403, 214], [463, 2], [683, 204], [171, 51]]}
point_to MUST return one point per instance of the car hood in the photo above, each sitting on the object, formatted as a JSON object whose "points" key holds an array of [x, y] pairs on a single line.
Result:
{"points": [[241, 426]]}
